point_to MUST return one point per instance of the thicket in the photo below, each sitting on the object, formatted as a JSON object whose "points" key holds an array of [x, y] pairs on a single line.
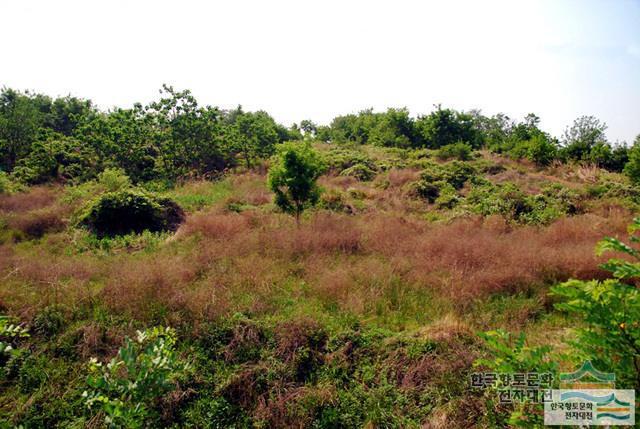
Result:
{"points": [[131, 210], [68, 139]]}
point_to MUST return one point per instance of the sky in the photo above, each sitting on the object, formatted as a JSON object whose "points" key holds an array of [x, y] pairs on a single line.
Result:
{"points": [[303, 59]]}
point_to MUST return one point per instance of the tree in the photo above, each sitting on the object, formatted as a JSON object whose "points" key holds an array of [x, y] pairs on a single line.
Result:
{"points": [[585, 133], [632, 168], [446, 126], [257, 135], [395, 128], [293, 178], [20, 121], [541, 150], [309, 128]]}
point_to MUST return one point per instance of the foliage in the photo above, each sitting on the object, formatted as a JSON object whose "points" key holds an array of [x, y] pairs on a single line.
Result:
{"points": [[612, 310], [509, 201], [57, 158], [114, 179], [586, 133], [49, 321], [293, 176], [10, 333], [461, 151], [131, 210], [513, 355], [541, 150], [7, 185], [361, 172], [144, 369], [341, 158], [632, 168], [446, 126]]}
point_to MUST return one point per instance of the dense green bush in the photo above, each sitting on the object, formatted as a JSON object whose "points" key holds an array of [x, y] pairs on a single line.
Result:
{"points": [[445, 179], [632, 168], [461, 151], [57, 159], [360, 171], [341, 158], [114, 179], [126, 388], [612, 310], [512, 203], [7, 184], [131, 210], [455, 173]]}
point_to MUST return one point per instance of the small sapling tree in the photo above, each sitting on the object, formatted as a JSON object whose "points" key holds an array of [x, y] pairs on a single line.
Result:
{"points": [[293, 178]]}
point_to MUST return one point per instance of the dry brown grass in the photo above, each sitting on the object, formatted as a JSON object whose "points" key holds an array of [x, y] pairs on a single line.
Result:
{"points": [[220, 262], [37, 223], [36, 198]]}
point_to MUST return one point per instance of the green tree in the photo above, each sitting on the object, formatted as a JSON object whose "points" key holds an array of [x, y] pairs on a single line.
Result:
{"points": [[20, 121], [632, 167], [541, 149], [309, 128], [394, 128], [257, 135], [446, 126], [293, 177], [585, 133], [192, 139]]}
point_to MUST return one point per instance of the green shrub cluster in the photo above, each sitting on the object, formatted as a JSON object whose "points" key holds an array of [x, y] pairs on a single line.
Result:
{"points": [[460, 151], [130, 210], [508, 200], [437, 179]]}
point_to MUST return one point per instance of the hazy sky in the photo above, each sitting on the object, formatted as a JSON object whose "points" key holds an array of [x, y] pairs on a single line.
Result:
{"points": [[302, 59]]}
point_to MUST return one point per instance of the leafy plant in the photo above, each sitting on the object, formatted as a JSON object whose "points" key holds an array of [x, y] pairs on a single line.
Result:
{"points": [[130, 210], [512, 355], [461, 151], [114, 179], [144, 369], [10, 333], [293, 178], [611, 309]]}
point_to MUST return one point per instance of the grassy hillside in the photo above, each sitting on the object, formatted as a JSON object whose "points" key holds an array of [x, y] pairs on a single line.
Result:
{"points": [[366, 315]]}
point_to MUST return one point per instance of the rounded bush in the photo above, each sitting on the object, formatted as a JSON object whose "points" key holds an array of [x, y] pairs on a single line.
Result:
{"points": [[130, 210]]}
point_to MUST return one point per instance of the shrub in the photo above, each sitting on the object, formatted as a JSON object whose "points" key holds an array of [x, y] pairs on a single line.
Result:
{"points": [[632, 168], [612, 310], [436, 177], [143, 370], [335, 201], [509, 355], [447, 197], [460, 151], [541, 150], [130, 210], [426, 190], [49, 321], [509, 201], [340, 159], [7, 185], [114, 179], [360, 171], [59, 158]]}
